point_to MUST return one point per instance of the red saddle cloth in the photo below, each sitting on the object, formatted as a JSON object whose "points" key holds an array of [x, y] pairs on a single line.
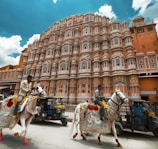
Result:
{"points": [[10, 103], [92, 107]]}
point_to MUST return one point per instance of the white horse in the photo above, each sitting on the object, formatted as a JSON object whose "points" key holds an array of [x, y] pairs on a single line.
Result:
{"points": [[89, 120], [24, 118]]}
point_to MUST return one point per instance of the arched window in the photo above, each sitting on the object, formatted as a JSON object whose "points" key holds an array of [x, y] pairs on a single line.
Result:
{"points": [[116, 40], [117, 62], [86, 30], [84, 65], [65, 49], [105, 64], [62, 66], [45, 69], [85, 46], [48, 52]]}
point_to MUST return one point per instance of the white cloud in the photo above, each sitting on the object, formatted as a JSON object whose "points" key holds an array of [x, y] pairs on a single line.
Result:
{"points": [[31, 40], [156, 21], [147, 9], [11, 45], [55, 1], [106, 10], [8, 46], [141, 5], [151, 13]]}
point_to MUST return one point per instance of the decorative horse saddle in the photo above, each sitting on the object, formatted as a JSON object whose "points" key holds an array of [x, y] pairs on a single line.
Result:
{"points": [[21, 104], [90, 120], [97, 107], [6, 119]]}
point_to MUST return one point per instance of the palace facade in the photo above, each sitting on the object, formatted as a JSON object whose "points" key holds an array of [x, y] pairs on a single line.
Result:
{"points": [[76, 54]]}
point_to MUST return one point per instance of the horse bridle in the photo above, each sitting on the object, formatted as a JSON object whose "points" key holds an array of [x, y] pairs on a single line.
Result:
{"points": [[121, 100], [40, 93]]}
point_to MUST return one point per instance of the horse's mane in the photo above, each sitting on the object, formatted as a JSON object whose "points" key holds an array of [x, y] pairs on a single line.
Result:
{"points": [[32, 99], [31, 105]]}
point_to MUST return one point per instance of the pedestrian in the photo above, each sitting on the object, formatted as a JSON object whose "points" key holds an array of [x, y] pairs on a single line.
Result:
{"points": [[25, 89], [97, 101]]}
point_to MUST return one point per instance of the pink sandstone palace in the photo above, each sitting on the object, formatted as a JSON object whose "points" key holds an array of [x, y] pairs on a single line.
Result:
{"points": [[76, 54]]}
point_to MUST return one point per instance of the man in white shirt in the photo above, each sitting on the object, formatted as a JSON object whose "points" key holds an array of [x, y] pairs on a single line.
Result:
{"points": [[25, 89], [97, 100]]}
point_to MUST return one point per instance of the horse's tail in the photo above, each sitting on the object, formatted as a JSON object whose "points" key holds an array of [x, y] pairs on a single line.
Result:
{"points": [[74, 118]]}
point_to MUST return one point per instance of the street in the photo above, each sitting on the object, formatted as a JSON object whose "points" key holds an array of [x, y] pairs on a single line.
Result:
{"points": [[52, 135]]}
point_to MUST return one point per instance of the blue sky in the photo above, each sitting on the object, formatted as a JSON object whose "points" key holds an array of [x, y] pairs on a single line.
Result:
{"points": [[22, 21]]}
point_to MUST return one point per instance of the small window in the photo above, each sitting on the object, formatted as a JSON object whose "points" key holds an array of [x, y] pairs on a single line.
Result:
{"points": [[63, 66], [132, 30], [141, 64], [150, 28], [117, 62], [140, 30], [45, 69], [152, 60], [48, 53], [84, 65], [116, 41], [87, 19], [140, 61], [85, 46], [114, 27]]}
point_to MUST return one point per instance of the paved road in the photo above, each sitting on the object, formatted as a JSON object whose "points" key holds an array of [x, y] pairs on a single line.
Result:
{"points": [[50, 135]]}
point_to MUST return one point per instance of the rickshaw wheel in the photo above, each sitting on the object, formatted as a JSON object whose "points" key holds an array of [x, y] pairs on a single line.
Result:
{"points": [[64, 121], [155, 132], [118, 130]]}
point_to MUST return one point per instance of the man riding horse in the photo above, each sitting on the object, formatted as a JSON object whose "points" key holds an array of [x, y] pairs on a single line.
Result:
{"points": [[97, 101], [27, 109], [25, 89]]}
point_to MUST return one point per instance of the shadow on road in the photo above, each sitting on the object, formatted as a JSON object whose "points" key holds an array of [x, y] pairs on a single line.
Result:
{"points": [[13, 142], [48, 123], [108, 140], [94, 143], [138, 135]]}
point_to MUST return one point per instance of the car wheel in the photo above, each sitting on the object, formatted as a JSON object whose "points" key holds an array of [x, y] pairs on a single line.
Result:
{"points": [[64, 121], [155, 131]]}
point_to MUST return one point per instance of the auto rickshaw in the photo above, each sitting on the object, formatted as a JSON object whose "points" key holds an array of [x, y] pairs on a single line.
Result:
{"points": [[147, 123], [1, 99], [51, 108]]}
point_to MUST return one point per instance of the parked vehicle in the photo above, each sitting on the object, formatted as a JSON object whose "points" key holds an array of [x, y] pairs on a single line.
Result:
{"points": [[51, 108], [147, 123], [1, 99]]}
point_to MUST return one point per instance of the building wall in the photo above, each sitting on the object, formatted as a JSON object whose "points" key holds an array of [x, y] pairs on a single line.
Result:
{"points": [[144, 34], [148, 87], [76, 54], [145, 42]]}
